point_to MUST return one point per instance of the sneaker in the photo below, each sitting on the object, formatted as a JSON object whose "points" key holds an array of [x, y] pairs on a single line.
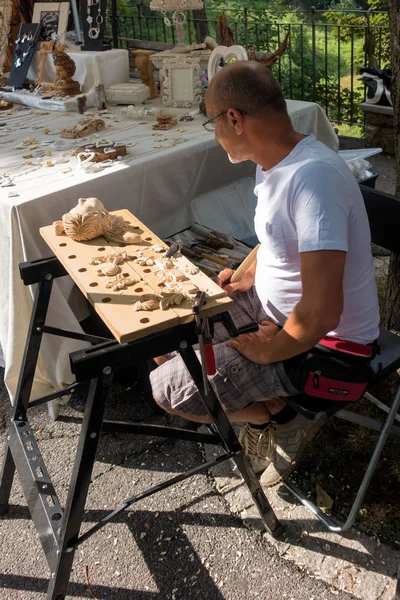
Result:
{"points": [[291, 441], [259, 445]]}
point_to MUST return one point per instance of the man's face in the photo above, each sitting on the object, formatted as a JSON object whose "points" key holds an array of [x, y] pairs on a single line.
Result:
{"points": [[225, 132]]}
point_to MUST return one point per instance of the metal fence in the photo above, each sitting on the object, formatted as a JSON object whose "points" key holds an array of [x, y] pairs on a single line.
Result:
{"points": [[325, 51]]}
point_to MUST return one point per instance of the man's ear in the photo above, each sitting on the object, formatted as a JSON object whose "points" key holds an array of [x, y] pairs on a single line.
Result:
{"points": [[235, 120]]}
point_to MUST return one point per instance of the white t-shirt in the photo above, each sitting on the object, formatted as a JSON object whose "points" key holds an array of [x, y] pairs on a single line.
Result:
{"points": [[311, 201]]}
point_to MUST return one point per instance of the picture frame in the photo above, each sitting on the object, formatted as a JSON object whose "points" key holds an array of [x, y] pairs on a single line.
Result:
{"points": [[54, 18], [181, 82]]}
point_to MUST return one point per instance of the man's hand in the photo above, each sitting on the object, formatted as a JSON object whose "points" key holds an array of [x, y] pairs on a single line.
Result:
{"points": [[256, 346], [245, 282]]}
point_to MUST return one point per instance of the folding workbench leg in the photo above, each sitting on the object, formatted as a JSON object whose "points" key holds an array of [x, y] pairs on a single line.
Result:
{"points": [[80, 481], [25, 381], [230, 441]]}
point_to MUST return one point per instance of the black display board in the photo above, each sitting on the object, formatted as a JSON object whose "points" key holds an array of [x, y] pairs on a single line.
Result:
{"points": [[93, 32], [24, 50]]}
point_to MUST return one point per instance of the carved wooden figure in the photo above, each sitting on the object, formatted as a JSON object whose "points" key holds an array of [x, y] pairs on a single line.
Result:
{"points": [[46, 48], [145, 66], [65, 69]]}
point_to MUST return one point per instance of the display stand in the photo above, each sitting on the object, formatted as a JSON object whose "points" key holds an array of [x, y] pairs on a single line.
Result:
{"points": [[23, 53], [58, 528], [93, 31]]}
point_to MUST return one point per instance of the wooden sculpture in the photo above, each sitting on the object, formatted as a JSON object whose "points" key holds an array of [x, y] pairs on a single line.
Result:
{"points": [[268, 59], [46, 48], [90, 219], [64, 85], [145, 66], [225, 34]]}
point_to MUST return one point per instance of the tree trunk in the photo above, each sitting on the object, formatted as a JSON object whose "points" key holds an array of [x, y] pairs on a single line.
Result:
{"points": [[201, 23], [393, 284]]}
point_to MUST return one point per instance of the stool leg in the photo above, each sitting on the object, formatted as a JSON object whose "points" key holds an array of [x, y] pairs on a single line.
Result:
{"points": [[25, 381], [231, 442], [79, 485]]}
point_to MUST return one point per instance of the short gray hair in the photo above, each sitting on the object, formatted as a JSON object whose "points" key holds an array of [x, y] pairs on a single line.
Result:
{"points": [[247, 86]]}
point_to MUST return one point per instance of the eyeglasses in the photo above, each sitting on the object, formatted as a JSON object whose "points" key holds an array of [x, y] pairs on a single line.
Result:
{"points": [[209, 125]]}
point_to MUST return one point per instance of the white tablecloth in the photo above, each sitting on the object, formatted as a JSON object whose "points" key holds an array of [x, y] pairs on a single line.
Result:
{"points": [[108, 67], [167, 188]]}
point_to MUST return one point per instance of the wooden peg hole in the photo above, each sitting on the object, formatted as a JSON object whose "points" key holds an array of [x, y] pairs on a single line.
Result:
{"points": [[82, 270], [62, 245], [145, 320], [148, 239], [105, 300], [139, 290], [94, 284], [147, 271], [125, 274], [100, 249], [72, 256], [161, 284]]}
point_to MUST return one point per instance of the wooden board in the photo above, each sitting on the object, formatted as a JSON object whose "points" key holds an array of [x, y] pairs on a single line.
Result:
{"points": [[115, 308]]}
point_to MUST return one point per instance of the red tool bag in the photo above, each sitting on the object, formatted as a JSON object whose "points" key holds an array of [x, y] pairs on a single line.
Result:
{"points": [[335, 369]]}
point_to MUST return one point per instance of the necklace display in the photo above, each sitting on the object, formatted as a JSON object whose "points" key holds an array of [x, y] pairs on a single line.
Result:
{"points": [[178, 19], [19, 55], [94, 32]]}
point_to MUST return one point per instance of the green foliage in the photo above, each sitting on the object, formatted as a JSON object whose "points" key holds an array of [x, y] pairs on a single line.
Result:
{"points": [[337, 43]]}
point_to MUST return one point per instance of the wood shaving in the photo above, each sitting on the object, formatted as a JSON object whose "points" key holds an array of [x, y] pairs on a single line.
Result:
{"points": [[158, 248], [164, 263], [117, 257], [95, 260], [191, 269], [120, 282]]}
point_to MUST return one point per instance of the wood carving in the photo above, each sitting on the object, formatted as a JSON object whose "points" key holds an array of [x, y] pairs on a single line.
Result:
{"points": [[85, 126], [64, 85], [164, 122], [225, 34], [180, 76], [269, 59], [90, 219], [102, 152], [5, 24], [145, 66], [46, 48]]}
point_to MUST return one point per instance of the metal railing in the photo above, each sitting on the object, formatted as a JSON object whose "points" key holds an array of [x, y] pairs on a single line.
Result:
{"points": [[326, 48]]}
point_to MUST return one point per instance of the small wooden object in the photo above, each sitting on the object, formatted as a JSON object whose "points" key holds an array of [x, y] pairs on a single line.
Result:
{"points": [[248, 261], [64, 85], [164, 122], [99, 151], [79, 130], [145, 66], [6, 105], [46, 48], [115, 308]]}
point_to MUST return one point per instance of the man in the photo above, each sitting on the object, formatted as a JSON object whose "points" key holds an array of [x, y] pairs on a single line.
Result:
{"points": [[313, 275]]}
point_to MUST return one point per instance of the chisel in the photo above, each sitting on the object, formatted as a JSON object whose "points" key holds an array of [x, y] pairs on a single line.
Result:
{"points": [[245, 265]]}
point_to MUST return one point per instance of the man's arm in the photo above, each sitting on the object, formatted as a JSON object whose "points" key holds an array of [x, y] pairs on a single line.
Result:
{"points": [[317, 313]]}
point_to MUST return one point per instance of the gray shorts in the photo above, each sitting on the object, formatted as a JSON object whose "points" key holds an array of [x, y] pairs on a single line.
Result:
{"points": [[238, 382]]}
